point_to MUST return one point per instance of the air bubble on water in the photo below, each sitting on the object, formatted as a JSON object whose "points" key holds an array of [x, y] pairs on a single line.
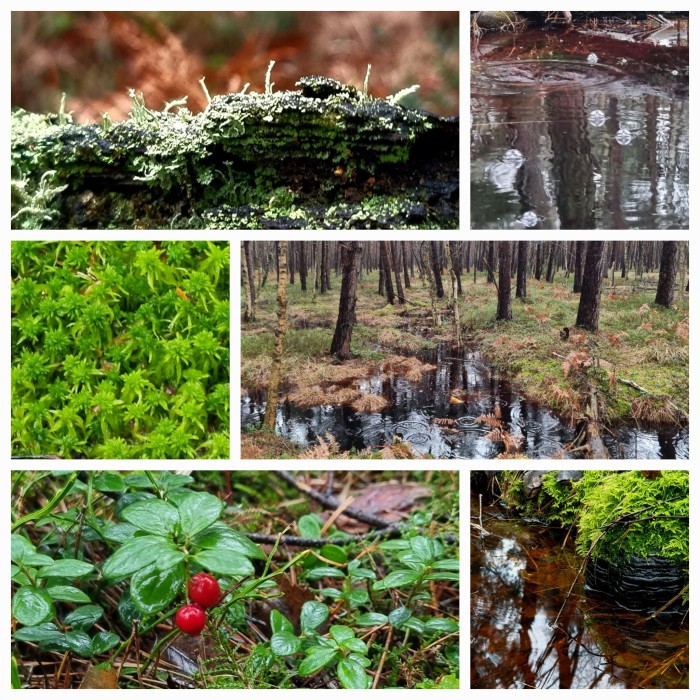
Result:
{"points": [[592, 58], [597, 118], [674, 72], [513, 157], [623, 137], [529, 219]]}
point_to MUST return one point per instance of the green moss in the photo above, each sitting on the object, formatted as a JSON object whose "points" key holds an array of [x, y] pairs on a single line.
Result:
{"points": [[322, 157]]}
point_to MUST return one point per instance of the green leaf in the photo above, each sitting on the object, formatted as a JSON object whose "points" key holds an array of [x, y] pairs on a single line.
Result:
{"points": [[32, 606], [224, 562], [359, 659], [362, 573], [319, 659], [153, 516], [198, 511], [341, 633], [440, 624], [84, 617], [20, 547], [152, 590], [134, 555], [357, 597], [309, 527], [450, 564], [65, 568], [37, 559], [39, 633], [399, 616], [313, 615], [414, 624], [118, 532], [220, 536], [104, 641], [442, 576], [79, 642], [320, 571], [354, 644], [285, 643], [169, 559], [109, 481], [394, 545], [279, 623], [371, 619], [68, 594], [396, 579], [352, 676], [334, 553], [426, 548]]}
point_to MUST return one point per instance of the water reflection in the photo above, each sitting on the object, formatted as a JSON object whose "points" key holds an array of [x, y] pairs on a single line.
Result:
{"points": [[594, 156], [424, 415], [532, 629]]}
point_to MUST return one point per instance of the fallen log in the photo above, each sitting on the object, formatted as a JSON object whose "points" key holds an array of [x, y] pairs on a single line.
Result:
{"points": [[325, 156]]}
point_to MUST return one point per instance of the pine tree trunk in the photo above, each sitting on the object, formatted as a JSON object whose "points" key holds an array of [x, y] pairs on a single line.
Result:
{"points": [[591, 284], [250, 265], [270, 417], [521, 284], [302, 265], [350, 259], [324, 263], [249, 314], [429, 279], [456, 326], [456, 253], [395, 255], [550, 262], [667, 274], [404, 257], [437, 273], [491, 263], [578, 265], [504, 312], [385, 255]]}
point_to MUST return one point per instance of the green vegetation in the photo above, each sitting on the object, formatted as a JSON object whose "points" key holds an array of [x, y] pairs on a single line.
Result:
{"points": [[120, 349], [102, 558], [322, 157], [615, 514]]}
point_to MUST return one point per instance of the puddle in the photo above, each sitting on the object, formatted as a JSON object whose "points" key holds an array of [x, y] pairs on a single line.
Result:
{"points": [[520, 579], [424, 415], [601, 137]]}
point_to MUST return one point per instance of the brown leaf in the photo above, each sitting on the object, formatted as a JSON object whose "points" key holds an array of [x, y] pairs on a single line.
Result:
{"points": [[99, 678]]}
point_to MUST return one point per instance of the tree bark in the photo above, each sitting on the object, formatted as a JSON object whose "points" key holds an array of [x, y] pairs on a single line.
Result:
{"points": [[429, 279], [350, 259], [589, 304], [302, 264], [491, 263], [521, 284], [385, 255], [667, 274], [249, 314], [456, 326], [404, 257], [395, 255], [437, 272], [250, 267], [270, 417], [550, 262], [504, 312], [578, 265]]}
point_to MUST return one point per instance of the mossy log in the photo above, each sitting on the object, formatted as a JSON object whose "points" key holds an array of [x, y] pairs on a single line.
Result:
{"points": [[325, 156]]}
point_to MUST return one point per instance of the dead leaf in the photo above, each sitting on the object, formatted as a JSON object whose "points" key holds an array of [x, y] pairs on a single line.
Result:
{"points": [[99, 678]]}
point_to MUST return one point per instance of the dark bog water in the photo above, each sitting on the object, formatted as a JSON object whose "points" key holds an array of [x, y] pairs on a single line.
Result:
{"points": [[520, 578], [569, 142], [424, 415]]}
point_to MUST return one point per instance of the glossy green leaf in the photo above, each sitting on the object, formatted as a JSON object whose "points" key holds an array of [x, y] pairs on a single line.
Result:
{"points": [[354, 644], [198, 511], [357, 597], [309, 527], [285, 643], [371, 619], [334, 553], [399, 616], [313, 615], [68, 594], [153, 516], [152, 590], [84, 617], [104, 641], [396, 579], [135, 555], [341, 633], [224, 562], [65, 568], [38, 633], [442, 576], [20, 547], [440, 624], [32, 606], [79, 643], [319, 572], [415, 625], [352, 676], [317, 660], [448, 564], [279, 623], [37, 559], [394, 545], [220, 536], [109, 481], [359, 659]]}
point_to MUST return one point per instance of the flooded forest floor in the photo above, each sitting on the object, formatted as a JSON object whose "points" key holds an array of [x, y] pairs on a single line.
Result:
{"points": [[638, 362]]}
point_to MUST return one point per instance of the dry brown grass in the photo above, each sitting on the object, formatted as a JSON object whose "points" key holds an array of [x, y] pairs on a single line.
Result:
{"points": [[327, 448], [309, 396], [410, 367], [369, 403], [654, 410]]}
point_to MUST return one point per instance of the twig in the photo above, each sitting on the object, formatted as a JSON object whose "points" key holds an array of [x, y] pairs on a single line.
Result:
{"points": [[332, 502], [387, 644]]}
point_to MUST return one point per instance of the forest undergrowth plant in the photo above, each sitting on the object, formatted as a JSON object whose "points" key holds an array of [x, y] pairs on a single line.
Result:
{"points": [[120, 349]]}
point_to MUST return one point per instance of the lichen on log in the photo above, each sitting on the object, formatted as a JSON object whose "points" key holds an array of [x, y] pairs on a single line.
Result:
{"points": [[326, 156]]}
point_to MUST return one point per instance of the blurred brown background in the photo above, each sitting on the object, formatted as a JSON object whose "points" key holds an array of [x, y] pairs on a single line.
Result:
{"points": [[95, 57]]}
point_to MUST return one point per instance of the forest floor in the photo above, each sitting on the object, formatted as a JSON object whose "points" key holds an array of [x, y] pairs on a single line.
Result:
{"points": [[637, 342]]}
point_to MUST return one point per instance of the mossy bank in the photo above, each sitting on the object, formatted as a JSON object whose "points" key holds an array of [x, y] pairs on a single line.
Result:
{"points": [[325, 156]]}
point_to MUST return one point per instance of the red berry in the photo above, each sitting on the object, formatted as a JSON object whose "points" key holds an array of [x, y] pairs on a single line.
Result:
{"points": [[191, 619], [204, 590]]}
